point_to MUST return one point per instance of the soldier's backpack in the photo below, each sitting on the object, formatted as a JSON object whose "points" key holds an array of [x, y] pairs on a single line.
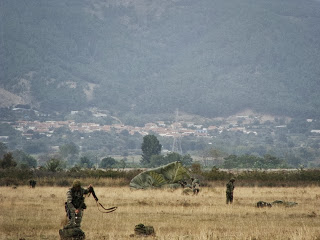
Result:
{"points": [[141, 229], [262, 204], [71, 234]]}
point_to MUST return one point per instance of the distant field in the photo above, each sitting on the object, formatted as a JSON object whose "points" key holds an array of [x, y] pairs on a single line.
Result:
{"points": [[37, 214]]}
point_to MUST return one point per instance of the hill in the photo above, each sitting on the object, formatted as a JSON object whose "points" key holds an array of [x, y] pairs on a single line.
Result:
{"points": [[208, 57]]}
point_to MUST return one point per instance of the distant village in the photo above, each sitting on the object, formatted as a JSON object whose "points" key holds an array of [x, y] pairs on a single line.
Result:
{"points": [[47, 128], [176, 129]]}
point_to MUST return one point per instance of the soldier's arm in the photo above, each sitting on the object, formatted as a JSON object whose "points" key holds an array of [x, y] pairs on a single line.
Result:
{"points": [[88, 189], [69, 201]]}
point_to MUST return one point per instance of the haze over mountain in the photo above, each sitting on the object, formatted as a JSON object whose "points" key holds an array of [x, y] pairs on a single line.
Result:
{"points": [[206, 57]]}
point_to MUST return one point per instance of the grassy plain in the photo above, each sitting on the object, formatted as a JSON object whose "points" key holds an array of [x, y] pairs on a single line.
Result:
{"points": [[38, 213]]}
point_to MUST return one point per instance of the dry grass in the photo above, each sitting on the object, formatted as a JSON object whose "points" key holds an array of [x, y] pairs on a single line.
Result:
{"points": [[37, 214]]}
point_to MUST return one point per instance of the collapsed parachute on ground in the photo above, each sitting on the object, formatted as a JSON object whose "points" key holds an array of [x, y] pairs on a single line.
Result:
{"points": [[165, 176]]}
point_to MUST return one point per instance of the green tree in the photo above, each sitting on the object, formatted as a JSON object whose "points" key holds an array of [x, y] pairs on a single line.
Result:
{"points": [[187, 160], [36, 147], [54, 165], [122, 163], [107, 162], [24, 159], [173, 157], [8, 161], [85, 162], [150, 146], [69, 149], [272, 161], [157, 160], [230, 161]]}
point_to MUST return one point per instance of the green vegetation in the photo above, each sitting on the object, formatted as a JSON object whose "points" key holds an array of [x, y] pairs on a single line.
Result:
{"points": [[150, 147], [7, 161], [18, 167], [45, 177], [253, 162], [107, 162]]}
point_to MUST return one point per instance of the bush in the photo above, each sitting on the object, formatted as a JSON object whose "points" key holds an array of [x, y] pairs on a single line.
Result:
{"points": [[63, 183]]}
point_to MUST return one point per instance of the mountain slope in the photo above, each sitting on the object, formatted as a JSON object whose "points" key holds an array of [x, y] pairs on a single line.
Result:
{"points": [[205, 57]]}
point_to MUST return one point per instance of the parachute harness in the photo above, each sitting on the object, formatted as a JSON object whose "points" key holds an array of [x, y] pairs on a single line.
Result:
{"points": [[105, 210]]}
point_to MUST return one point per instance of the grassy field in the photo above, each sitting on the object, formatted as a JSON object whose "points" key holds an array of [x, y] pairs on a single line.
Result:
{"points": [[38, 213]]}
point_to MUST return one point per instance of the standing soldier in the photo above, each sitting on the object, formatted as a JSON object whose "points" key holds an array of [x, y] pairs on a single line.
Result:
{"points": [[229, 191], [75, 204], [32, 183]]}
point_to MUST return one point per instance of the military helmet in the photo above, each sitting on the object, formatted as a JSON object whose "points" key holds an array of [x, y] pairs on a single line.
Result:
{"points": [[232, 180], [76, 183]]}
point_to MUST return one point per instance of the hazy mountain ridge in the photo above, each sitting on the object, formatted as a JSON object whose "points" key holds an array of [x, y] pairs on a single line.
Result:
{"points": [[211, 58]]}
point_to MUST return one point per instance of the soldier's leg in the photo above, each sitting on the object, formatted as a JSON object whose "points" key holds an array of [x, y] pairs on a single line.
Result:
{"points": [[78, 218], [231, 198], [228, 198], [72, 218]]}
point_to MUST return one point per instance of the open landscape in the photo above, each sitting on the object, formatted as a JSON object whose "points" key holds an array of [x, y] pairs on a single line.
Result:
{"points": [[38, 213], [124, 95]]}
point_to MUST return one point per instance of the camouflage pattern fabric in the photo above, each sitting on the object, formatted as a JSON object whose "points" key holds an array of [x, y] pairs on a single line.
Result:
{"points": [[71, 234], [262, 204], [141, 229], [167, 175], [229, 192], [195, 186], [284, 203], [75, 200]]}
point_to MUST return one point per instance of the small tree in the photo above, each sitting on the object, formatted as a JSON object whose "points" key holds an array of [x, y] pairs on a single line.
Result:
{"points": [[122, 164], [7, 161], [107, 162], [157, 160], [24, 160], [69, 149], [150, 146], [54, 165], [187, 160], [85, 162]]}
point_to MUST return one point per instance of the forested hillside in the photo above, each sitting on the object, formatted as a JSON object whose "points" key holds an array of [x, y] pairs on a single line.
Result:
{"points": [[205, 57]]}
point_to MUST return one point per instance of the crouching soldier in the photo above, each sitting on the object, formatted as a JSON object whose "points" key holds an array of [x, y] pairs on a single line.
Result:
{"points": [[195, 186], [75, 204]]}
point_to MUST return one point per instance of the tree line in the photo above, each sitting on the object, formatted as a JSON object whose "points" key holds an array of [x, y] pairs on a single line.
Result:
{"points": [[152, 156]]}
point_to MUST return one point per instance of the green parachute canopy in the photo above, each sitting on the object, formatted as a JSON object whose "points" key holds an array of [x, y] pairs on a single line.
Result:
{"points": [[167, 175]]}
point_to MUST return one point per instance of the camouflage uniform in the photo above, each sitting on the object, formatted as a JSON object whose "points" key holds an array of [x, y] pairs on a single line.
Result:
{"points": [[75, 200], [195, 186], [229, 191], [32, 183]]}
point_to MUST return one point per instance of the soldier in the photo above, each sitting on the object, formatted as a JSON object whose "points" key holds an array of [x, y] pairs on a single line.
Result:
{"points": [[75, 204], [195, 186], [32, 183], [229, 191]]}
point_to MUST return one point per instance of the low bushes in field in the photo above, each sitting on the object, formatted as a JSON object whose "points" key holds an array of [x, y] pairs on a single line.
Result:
{"points": [[300, 177], [15, 176], [266, 178]]}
